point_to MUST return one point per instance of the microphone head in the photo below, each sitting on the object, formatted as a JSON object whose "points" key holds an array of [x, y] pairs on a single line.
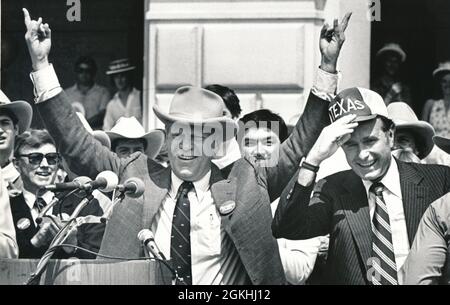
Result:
{"points": [[139, 187], [145, 234], [110, 179]]}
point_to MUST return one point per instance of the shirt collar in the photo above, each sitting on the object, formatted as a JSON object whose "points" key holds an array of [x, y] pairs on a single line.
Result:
{"points": [[10, 173], [201, 186], [391, 180], [30, 197]]}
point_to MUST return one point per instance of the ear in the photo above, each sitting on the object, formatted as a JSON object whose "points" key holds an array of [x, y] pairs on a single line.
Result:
{"points": [[391, 136], [16, 164]]}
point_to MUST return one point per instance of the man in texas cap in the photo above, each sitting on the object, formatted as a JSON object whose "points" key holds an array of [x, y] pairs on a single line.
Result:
{"points": [[215, 230], [15, 118], [371, 211]]}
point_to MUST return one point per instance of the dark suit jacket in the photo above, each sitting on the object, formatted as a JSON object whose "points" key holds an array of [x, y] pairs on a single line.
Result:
{"points": [[89, 236], [339, 206], [252, 189]]}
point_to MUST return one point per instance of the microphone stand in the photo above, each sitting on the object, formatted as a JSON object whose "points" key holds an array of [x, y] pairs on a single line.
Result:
{"points": [[59, 238]]}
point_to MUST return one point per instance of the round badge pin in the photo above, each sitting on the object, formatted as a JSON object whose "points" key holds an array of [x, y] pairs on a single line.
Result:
{"points": [[23, 223], [227, 207]]}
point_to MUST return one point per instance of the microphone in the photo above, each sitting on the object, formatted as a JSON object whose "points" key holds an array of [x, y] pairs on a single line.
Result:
{"points": [[105, 181], [132, 187], [78, 180], [148, 240], [67, 186]]}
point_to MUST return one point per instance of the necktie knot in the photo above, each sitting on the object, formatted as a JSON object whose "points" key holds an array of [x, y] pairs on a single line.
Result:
{"points": [[40, 203], [185, 188], [377, 188]]}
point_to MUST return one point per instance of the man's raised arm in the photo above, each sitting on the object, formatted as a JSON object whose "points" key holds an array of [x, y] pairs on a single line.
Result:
{"points": [[84, 154], [315, 116]]}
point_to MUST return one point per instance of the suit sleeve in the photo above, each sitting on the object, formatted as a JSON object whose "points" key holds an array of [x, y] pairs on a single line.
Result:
{"points": [[429, 252], [307, 130], [300, 216], [83, 153], [8, 244]]}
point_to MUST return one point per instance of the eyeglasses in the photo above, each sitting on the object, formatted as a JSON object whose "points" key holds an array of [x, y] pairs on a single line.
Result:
{"points": [[36, 158]]}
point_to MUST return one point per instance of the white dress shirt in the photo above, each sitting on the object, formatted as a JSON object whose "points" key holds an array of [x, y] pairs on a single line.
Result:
{"points": [[30, 199], [392, 195], [214, 258]]}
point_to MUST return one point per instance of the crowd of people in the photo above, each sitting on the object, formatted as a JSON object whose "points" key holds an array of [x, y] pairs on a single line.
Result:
{"points": [[352, 195]]}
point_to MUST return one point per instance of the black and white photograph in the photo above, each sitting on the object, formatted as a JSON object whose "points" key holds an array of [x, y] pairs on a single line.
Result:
{"points": [[250, 144]]}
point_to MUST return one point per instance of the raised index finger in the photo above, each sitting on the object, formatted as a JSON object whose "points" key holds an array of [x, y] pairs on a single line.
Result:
{"points": [[27, 17]]}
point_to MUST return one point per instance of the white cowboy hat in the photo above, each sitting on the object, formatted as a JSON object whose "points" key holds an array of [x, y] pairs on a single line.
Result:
{"points": [[404, 118], [442, 143], [392, 47], [21, 109], [444, 67], [100, 135], [130, 128], [197, 106], [119, 66]]}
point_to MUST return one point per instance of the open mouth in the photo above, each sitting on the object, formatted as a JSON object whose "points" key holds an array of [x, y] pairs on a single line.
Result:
{"points": [[367, 164], [43, 174], [2, 139], [186, 158]]}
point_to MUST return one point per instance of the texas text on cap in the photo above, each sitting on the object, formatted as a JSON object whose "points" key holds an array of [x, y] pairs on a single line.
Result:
{"points": [[365, 103]]}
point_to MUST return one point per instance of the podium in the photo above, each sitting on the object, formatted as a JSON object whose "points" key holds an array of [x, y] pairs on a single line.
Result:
{"points": [[87, 272]]}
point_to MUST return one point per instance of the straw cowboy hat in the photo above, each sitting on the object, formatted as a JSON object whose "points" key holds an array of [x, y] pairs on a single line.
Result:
{"points": [[404, 118], [130, 128], [197, 106], [119, 66], [392, 47], [442, 143], [100, 135], [21, 109], [444, 67]]}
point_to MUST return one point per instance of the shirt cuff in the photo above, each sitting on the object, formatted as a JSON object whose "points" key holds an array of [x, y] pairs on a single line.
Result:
{"points": [[325, 85], [46, 84]]}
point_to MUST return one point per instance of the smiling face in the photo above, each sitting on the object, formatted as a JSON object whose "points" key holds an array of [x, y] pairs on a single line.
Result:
{"points": [[187, 156], [260, 145], [368, 151], [7, 133], [405, 140], [36, 175]]}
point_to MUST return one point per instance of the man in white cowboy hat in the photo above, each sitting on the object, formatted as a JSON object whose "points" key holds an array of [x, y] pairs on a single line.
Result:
{"points": [[15, 118], [127, 100], [371, 211], [128, 136], [215, 230], [413, 139], [389, 84]]}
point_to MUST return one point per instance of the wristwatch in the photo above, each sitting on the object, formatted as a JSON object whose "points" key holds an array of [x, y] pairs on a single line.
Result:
{"points": [[309, 166]]}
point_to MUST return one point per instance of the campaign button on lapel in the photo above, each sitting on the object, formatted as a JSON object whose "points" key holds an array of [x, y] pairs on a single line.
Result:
{"points": [[227, 207], [23, 223]]}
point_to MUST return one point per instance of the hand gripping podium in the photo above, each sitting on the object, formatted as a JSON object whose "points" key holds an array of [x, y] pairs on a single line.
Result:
{"points": [[87, 272]]}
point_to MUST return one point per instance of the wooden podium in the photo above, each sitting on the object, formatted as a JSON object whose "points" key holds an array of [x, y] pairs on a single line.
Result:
{"points": [[87, 272]]}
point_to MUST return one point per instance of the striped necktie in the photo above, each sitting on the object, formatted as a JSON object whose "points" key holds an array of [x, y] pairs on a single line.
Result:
{"points": [[180, 246], [40, 203], [382, 247]]}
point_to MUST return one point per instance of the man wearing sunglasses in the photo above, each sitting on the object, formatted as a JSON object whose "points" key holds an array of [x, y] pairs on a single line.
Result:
{"points": [[37, 161]]}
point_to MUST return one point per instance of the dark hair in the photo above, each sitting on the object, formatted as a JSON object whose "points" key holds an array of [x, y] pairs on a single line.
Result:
{"points": [[387, 124], [11, 115], [34, 138], [86, 60], [264, 118], [229, 97], [117, 141]]}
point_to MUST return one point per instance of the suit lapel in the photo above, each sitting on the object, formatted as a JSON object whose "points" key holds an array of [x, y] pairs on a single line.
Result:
{"points": [[154, 196], [356, 208], [414, 197]]}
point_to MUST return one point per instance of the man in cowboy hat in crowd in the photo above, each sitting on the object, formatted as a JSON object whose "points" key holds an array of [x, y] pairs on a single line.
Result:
{"points": [[371, 211], [389, 84], [413, 139], [127, 100], [215, 230], [128, 136], [15, 118], [429, 260]]}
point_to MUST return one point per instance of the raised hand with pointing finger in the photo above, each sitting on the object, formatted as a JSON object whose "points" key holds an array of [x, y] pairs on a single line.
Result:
{"points": [[38, 39]]}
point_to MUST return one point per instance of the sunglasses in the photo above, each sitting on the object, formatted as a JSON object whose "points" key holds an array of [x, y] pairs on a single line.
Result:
{"points": [[36, 158]]}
